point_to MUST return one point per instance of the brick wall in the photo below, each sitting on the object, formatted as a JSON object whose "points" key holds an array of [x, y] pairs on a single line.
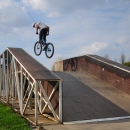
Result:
{"points": [[109, 73], [58, 66], [112, 75]]}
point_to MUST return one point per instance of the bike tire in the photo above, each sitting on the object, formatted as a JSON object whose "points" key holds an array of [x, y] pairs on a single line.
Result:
{"points": [[74, 64], [49, 50], [65, 64], [37, 48]]}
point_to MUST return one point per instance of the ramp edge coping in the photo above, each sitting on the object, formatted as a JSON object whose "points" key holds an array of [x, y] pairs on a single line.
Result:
{"points": [[96, 120], [109, 64]]}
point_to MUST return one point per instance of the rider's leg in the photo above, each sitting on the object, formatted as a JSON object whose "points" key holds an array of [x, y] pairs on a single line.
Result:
{"points": [[43, 34], [40, 36]]}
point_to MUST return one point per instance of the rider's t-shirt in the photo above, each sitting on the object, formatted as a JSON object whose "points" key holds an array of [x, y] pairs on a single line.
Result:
{"points": [[41, 25]]}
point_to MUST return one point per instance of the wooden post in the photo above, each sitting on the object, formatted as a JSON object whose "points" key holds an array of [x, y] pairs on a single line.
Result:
{"points": [[60, 100], [3, 76], [36, 104], [12, 78], [21, 78], [7, 79], [0, 77]]}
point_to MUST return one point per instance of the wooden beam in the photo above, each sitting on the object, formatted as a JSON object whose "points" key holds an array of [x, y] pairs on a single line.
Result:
{"points": [[49, 103], [17, 83], [60, 101], [28, 99], [36, 105], [3, 64], [12, 82], [51, 95], [0, 77], [7, 78], [21, 84]]}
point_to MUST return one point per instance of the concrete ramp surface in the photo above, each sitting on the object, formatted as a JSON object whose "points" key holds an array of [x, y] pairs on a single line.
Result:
{"points": [[80, 102]]}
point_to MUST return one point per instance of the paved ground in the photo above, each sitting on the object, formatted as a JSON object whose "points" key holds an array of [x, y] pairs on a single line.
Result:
{"points": [[113, 125]]}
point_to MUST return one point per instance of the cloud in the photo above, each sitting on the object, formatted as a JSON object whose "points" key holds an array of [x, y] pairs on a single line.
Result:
{"points": [[12, 15], [15, 26], [93, 48], [59, 7], [74, 25], [124, 40]]}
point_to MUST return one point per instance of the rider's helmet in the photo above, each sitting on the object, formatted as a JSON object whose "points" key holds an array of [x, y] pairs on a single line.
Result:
{"points": [[33, 25]]}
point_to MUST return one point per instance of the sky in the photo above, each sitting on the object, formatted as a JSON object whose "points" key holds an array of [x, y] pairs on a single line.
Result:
{"points": [[77, 27]]}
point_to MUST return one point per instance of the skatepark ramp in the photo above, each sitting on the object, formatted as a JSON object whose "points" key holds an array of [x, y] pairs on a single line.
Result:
{"points": [[64, 96], [25, 83], [86, 97], [111, 72]]}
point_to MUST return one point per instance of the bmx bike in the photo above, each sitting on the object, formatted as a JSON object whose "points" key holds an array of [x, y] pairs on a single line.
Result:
{"points": [[49, 48], [72, 61]]}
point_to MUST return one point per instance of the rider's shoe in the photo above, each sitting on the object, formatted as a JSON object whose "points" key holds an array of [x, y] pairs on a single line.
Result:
{"points": [[44, 47]]}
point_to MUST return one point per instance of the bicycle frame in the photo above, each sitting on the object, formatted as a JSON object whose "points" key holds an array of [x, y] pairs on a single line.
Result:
{"points": [[44, 40]]}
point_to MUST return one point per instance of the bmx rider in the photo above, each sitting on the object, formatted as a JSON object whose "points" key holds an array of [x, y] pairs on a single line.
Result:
{"points": [[43, 31]]}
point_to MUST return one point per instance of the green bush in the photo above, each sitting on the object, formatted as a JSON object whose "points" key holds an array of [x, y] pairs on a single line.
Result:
{"points": [[126, 63]]}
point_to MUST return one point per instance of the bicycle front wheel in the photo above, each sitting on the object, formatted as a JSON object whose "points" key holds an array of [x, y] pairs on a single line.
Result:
{"points": [[37, 48], [49, 50]]}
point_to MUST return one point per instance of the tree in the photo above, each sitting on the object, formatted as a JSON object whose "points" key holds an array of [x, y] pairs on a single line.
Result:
{"points": [[115, 59], [126, 63], [129, 59], [122, 58], [106, 56]]}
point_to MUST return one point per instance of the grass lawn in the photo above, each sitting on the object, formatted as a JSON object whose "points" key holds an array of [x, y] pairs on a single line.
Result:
{"points": [[10, 120]]}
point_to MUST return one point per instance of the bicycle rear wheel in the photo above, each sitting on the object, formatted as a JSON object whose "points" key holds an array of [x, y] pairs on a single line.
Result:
{"points": [[37, 48], [74, 64], [65, 64], [49, 50]]}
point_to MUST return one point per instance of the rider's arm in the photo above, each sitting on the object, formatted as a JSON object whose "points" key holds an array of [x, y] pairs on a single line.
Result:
{"points": [[36, 26], [48, 29]]}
